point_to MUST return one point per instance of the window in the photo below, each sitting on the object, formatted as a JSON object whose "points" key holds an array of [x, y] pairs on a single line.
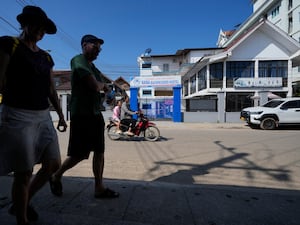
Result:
{"points": [[165, 67], [216, 75], [290, 4], [186, 87], [216, 70], [235, 102], [291, 104], [146, 106], [275, 11], [147, 92], [202, 79], [273, 68], [290, 28], [239, 69], [56, 81], [146, 65], [193, 84]]}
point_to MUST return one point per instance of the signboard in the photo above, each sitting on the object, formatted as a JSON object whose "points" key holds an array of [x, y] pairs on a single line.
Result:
{"points": [[153, 81], [258, 82]]}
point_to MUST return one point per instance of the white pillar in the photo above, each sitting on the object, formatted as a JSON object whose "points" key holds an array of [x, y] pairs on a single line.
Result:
{"points": [[221, 106]]}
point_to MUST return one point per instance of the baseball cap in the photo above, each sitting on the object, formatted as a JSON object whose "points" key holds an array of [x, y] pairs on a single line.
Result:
{"points": [[91, 38]]}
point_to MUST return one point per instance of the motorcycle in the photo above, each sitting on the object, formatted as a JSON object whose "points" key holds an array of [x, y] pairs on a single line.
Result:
{"points": [[143, 127]]}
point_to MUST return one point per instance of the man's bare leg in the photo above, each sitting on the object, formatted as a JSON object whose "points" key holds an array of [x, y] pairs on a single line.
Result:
{"points": [[20, 195], [98, 167]]}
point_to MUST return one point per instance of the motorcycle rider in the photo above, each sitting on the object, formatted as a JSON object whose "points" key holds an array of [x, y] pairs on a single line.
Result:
{"points": [[126, 116]]}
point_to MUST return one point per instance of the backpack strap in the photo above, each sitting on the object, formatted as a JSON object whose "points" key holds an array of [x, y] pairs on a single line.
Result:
{"points": [[15, 45], [48, 57], [17, 42]]}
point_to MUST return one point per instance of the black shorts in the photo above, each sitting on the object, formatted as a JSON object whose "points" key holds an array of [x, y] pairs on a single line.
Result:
{"points": [[86, 135]]}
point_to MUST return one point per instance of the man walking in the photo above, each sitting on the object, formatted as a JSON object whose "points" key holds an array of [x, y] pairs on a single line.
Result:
{"points": [[87, 124]]}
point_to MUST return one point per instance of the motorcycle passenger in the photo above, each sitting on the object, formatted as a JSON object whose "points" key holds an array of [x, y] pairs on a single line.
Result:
{"points": [[126, 116], [116, 115]]}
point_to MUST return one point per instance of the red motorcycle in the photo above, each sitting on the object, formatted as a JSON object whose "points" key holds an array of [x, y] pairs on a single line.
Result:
{"points": [[143, 127]]}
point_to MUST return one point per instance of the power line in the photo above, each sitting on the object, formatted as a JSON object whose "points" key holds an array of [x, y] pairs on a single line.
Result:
{"points": [[68, 39], [22, 3], [11, 25]]}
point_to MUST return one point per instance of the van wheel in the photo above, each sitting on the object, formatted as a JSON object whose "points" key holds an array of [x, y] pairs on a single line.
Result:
{"points": [[268, 123]]}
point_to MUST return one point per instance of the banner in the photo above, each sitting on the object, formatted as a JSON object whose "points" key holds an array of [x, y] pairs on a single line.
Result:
{"points": [[159, 81], [258, 82]]}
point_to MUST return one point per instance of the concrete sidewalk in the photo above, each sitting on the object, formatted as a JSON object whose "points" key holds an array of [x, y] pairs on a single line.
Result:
{"points": [[157, 203]]}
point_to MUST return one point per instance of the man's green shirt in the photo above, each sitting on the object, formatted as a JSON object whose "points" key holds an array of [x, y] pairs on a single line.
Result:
{"points": [[84, 101]]}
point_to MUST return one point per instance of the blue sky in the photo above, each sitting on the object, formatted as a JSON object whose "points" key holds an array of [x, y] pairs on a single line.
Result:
{"points": [[128, 27]]}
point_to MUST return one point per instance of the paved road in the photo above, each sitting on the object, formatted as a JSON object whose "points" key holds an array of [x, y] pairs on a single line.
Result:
{"points": [[221, 154]]}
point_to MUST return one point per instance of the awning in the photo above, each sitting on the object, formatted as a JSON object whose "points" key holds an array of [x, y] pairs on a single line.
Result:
{"points": [[219, 57], [272, 95]]}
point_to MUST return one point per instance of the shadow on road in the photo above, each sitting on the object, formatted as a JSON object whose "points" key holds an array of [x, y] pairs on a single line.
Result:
{"points": [[186, 176]]}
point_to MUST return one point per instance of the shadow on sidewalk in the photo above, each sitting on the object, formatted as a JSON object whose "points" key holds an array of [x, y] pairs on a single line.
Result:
{"points": [[159, 203]]}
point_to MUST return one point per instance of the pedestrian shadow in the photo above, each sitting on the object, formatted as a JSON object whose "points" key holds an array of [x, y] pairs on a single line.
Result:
{"points": [[185, 176]]}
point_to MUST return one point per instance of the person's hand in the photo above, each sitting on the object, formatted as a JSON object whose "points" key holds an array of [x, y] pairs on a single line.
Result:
{"points": [[62, 125], [106, 88]]}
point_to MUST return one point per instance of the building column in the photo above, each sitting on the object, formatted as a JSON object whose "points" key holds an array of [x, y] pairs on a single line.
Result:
{"points": [[134, 100], [290, 79], [177, 104], [221, 106], [224, 85]]}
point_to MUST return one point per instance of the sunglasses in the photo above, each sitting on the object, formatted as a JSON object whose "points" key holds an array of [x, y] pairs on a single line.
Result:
{"points": [[96, 46]]}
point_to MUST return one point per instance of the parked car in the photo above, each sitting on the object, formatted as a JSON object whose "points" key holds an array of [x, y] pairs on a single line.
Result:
{"points": [[275, 113]]}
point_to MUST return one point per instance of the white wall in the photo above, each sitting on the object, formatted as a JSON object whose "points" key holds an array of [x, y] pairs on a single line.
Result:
{"points": [[258, 4], [157, 64], [259, 46]]}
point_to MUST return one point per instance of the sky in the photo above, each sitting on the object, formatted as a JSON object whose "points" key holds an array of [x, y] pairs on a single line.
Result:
{"points": [[128, 28]]}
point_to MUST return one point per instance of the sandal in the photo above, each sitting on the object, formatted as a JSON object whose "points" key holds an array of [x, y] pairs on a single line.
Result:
{"points": [[107, 193], [56, 187]]}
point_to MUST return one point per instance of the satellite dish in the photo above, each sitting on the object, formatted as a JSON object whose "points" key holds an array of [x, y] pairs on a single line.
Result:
{"points": [[147, 51]]}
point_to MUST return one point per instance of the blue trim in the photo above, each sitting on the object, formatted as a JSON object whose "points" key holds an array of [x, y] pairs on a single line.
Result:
{"points": [[134, 100]]}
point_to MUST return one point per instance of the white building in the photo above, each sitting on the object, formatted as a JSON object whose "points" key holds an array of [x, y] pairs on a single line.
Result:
{"points": [[155, 99], [285, 14], [256, 66]]}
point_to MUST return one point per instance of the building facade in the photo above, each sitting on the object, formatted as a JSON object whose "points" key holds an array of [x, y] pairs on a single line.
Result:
{"points": [[257, 62], [256, 67]]}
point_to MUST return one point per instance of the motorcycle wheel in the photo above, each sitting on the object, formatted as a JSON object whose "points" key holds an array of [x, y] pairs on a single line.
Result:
{"points": [[112, 133], [151, 133]]}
